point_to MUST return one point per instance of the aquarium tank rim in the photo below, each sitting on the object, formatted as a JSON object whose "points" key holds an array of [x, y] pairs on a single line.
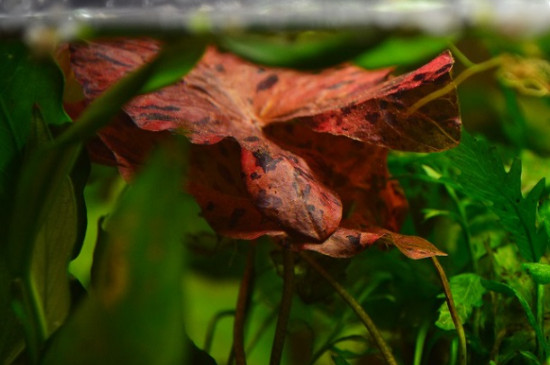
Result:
{"points": [[438, 17]]}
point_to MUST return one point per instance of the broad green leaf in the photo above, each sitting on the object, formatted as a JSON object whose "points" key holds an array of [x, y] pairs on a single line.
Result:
{"points": [[539, 272], [57, 236], [305, 50], [11, 334], [26, 81], [134, 312], [467, 294], [481, 175], [512, 292], [402, 51]]}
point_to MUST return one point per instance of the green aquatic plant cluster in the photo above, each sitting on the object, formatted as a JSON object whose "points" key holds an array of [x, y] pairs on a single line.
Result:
{"points": [[94, 269]]}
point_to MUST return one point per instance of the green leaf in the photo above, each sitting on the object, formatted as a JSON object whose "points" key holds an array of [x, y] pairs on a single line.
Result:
{"points": [[305, 50], [339, 359], [177, 59], [61, 231], [11, 333], [530, 357], [539, 272], [512, 292], [467, 294], [402, 51], [26, 81], [134, 312], [481, 175]]}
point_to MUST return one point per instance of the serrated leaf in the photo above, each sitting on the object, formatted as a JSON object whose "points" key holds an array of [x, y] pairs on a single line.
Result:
{"points": [[539, 272], [481, 175], [467, 293], [134, 313]]}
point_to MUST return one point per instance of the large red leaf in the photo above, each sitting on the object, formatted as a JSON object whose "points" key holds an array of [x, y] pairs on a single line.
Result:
{"points": [[282, 152]]}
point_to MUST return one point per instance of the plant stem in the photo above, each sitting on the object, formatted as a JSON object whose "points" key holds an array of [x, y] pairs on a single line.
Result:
{"points": [[462, 352], [243, 303], [540, 318], [261, 330], [284, 309], [212, 327], [475, 69], [356, 307], [420, 341]]}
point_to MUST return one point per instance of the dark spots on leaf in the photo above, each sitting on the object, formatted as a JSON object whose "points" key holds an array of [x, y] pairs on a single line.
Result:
{"points": [[383, 104], [267, 83], [225, 173], [372, 117], [391, 119], [310, 208], [443, 69], [265, 161], [202, 122], [220, 68], [420, 76], [158, 116], [265, 200], [292, 158], [236, 215], [354, 240], [306, 191], [210, 206], [255, 176], [346, 110], [167, 108], [252, 139], [112, 60], [261, 70]]}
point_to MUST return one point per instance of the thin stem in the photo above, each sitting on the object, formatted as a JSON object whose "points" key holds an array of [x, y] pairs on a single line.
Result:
{"points": [[464, 225], [212, 327], [475, 69], [243, 304], [540, 317], [284, 309], [463, 351], [356, 307], [420, 341], [261, 330], [330, 344], [460, 56]]}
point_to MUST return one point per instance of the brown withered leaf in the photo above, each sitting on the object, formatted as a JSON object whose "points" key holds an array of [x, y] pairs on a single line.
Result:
{"points": [[282, 152]]}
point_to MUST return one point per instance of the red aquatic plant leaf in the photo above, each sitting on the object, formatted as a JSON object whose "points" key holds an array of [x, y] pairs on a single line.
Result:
{"points": [[282, 152]]}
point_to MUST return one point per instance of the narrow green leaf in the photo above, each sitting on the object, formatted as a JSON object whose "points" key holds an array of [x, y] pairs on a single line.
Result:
{"points": [[539, 272], [134, 313], [306, 50], [177, 59], [174, 60], [512, 292], [404, 51], [467, 294], [530, 357]]}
